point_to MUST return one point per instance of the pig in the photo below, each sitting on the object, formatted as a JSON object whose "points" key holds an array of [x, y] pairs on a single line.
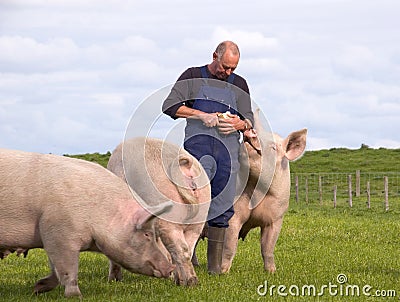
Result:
{"points": [[65, 206], [263, 191], [160, 170], [265, 194]]}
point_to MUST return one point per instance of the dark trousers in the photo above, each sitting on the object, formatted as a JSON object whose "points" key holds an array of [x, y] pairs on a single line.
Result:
{"points": [[219, 158]]}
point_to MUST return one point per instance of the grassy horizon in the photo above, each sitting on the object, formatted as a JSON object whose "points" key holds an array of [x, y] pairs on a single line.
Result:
{"points": [[333, 160]]}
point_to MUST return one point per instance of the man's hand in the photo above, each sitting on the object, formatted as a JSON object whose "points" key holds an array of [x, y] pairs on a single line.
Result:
{"points": [[209, 119], [229, 123]]}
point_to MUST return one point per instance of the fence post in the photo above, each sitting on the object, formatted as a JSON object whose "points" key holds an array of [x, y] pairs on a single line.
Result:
{"points": [[320, 188], [350, 192], [297, 188], [334, 195], [385, 179], [307, 190], [368, 195], [357, 183]]}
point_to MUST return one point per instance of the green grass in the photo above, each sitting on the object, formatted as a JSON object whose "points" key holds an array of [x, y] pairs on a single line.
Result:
{"points": [[334, 166], [342, 160], [339, 160], [317, 243], [100, 158]]}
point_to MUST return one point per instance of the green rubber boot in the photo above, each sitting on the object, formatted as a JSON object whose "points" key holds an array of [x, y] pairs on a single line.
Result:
{"points": [[215, 246]]}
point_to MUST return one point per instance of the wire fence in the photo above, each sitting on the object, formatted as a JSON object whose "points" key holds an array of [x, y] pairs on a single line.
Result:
{"points": [[373, 188]]}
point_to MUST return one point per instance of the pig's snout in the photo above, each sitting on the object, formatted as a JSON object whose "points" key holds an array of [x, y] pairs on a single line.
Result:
{"points": [[163, 271]]}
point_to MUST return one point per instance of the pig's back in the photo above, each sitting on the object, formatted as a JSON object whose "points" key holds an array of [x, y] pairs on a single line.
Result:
{"points": [[33, 186]]}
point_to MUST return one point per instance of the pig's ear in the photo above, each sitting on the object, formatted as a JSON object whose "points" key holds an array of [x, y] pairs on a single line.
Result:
{"points": [[295, 144], [257, 122], [185, 162], [181, 166], [255, 143], [144, 215]]}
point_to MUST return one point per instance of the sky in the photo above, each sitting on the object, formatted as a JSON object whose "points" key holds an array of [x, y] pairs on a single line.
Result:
{"points": [[76, 75]]}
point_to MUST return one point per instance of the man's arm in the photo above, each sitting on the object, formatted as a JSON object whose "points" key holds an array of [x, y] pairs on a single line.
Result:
{"points": [[181, 92], [208, 119]]}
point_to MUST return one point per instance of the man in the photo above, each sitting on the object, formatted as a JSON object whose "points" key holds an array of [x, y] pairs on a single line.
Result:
{"points": [[216, 104]]}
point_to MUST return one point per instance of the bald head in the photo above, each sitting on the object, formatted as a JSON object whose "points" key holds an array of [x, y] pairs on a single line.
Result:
{"points": [[225, 60], [227, 45]]}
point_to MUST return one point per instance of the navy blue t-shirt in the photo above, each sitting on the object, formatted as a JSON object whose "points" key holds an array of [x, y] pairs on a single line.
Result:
{"points": [[178, 97]]}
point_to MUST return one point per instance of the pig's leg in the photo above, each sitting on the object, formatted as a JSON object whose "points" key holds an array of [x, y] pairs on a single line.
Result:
{"points": [[175, 243], [48, 283], [192, 237], [203, 234], [269, 237], [195, 261], [230, 246], [62, 245], [64, 255], [66, 265], [114, 272]]}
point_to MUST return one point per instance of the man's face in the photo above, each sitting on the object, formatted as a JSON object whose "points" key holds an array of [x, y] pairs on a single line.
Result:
{"points": [[226, 65]]}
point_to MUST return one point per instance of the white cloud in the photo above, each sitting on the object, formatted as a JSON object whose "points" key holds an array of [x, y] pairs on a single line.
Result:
{"points": [[257, 67], [108, 99], [24, 53], [388, 143], [137, 45], [316, 143], [357, 61], [251, 43], [72, 72]]}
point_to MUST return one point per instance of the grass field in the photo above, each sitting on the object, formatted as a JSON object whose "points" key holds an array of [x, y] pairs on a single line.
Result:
{"points": [[317, 245], [317, 248], [345, 160]]}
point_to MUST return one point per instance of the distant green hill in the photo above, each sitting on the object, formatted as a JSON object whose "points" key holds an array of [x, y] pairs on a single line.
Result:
{"points": [[319, 171], [99, 158], [339, 160], [331, 167], [343, 160]]}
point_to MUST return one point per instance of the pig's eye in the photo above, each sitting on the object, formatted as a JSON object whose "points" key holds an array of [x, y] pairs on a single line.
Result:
{"points": [[147, 235], [273, 147]]}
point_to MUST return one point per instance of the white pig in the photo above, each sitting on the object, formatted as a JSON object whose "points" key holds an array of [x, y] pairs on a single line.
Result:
{"points": [[263, 191], [161, 171], [66, 206], [265, 197]]}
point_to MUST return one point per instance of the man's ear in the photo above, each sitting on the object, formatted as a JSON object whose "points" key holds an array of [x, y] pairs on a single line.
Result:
{"points": [[215, 56]]}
